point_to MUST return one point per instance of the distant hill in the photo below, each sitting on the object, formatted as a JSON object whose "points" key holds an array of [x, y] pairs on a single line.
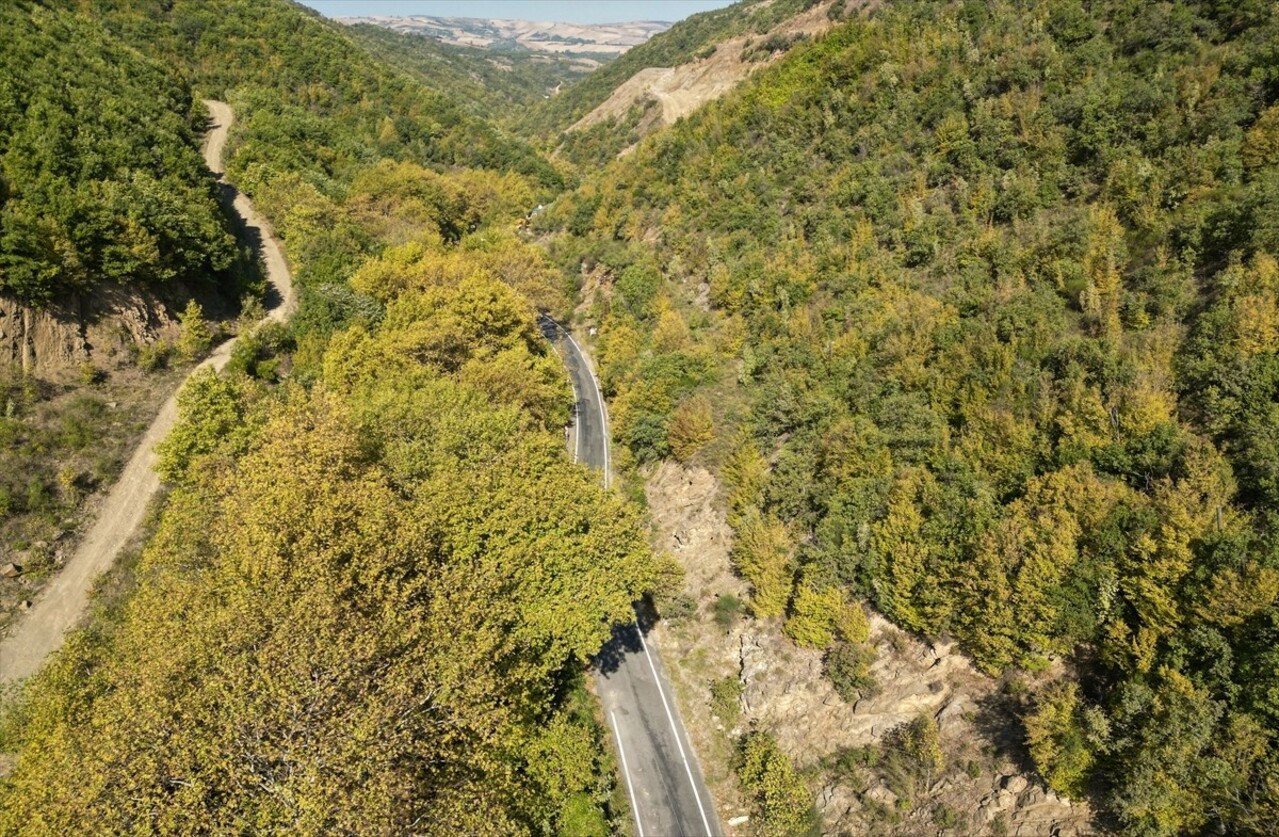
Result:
{"points": [[496, 85], [537, 36]]}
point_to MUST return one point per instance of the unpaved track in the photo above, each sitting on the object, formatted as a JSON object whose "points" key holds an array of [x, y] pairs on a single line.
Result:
{"points": [[65, 599]]}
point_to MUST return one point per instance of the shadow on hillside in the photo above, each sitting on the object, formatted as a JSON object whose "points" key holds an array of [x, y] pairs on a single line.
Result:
{"points": [[249, 237]]}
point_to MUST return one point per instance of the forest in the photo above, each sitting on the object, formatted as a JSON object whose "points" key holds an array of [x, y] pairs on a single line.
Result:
{"points": [[100, 178], [370, 594], [971, 307]]}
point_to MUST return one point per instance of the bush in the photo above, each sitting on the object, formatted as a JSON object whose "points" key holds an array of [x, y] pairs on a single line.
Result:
{"points": [[153, 356], [761, 555], [783, 804], [920, 742], [818, 617], [196, 337], [728, 608], [90, 374], [1057, 735], [847, 667], [679, 606], [8, 503], [726, 695], [39, 498], [690, 428]]}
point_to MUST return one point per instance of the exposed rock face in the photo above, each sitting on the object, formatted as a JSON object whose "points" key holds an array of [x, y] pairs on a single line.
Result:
{"points": [[98, 327], [680, 90], [784, 691], [784, 688]]}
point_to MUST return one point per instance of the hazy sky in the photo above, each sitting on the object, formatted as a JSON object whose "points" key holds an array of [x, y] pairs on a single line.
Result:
{"points": [[574, 11]]}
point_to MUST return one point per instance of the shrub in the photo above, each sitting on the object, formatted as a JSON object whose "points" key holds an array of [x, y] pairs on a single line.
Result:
{"points": [[783, 804], [679, 606], [1057, 735], [818, 617], [726, 695], [90, 374], [195, 337], [691, 427], [920, 742], [761, 554], [728, 608], [153, 356], [847, 667]]}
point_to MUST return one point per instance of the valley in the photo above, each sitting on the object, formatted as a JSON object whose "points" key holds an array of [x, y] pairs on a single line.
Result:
{"points": [[806, 417]]}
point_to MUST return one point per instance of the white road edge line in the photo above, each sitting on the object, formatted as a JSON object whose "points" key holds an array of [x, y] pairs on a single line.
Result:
{"points": [[577, 433], [630, 787], [599, 400], [675, 729]]}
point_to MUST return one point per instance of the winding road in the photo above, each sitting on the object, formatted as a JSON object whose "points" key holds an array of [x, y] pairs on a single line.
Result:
{"points": [[663, 779], [66, 598]]}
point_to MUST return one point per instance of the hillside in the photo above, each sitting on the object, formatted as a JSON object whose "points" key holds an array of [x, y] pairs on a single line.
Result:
{"points": [[969, 306], [336, 621], [100, 178], [305, 87], [110, 229], [557, 38], [683, 43], [497, 86], [940, 341]]}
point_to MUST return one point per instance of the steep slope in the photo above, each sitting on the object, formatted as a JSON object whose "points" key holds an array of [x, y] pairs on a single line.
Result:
{"points": [[342, 624], [683, 88], [685, 42], [921, 293], [100, 176], [63, 603], [309, 91]]}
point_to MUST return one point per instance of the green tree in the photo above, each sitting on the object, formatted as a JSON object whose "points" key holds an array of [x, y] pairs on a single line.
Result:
{"points": [[196, 337], [1061, 741], [783, 804], [761, 553]]}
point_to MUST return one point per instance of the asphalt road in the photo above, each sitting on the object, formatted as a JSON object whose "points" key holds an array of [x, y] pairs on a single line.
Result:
{"points": [[663, 779]]}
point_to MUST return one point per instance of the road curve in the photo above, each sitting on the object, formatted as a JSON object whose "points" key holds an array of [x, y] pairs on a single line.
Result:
{"points": [[66, 598], [663, 779]]}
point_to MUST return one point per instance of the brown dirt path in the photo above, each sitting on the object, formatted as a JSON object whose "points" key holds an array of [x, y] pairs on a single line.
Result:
{"points": [[65, 600]]}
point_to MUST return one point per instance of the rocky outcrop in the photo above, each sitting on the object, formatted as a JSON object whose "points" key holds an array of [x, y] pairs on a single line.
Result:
{"points": [[98, 327], [680, 90], [784, 688], [784, 691]]}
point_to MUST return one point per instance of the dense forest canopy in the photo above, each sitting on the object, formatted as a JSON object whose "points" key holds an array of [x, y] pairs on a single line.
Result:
{"points": [[308, 90], [989, 304], [366, 605], [100, 177], [973, 307]]}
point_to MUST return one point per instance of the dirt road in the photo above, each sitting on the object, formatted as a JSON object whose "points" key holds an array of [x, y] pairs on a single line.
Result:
{"points": [[65, 600]]}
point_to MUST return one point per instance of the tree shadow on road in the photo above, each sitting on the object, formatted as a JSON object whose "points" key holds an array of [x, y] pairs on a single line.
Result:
{"points": [[626, 639]]}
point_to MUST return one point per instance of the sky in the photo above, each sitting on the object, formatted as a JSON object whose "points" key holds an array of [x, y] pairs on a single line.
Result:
{"points": [[571, 11]]}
